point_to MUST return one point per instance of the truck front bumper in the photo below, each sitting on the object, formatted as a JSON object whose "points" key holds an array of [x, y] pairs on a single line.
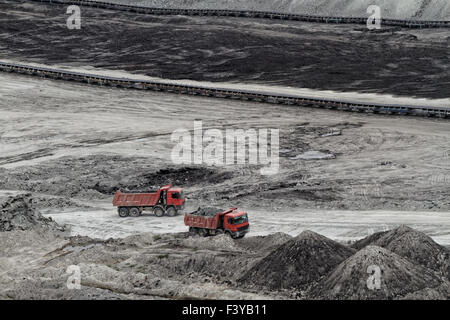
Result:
{"points": [[240, 234]]}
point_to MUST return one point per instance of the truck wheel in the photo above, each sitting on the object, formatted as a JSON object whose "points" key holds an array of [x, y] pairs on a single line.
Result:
{"points": [[158, 211], [202, 232], [134, 212], [219, 231], [234, 236], [171, 212], [193, 231], [123, 212]]}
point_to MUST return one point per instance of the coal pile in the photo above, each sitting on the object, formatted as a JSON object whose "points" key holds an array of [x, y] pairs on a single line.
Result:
{"points": [[398, 278], [19, 213], [413, 245], [207, 211], [297, 263]]}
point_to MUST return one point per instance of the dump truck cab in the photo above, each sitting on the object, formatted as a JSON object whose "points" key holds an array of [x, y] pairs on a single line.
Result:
{"points": [[236, 223], [175, 197]]}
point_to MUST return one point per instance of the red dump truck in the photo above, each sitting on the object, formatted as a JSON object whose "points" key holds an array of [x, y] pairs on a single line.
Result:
{"points": [[166, 200], [231, 222]]}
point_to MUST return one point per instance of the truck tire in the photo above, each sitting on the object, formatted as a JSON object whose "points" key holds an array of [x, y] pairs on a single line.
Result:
{"points": [[123, 212], [158, 211], [234, 236], [171, 211], [135, 212], [202, 232], [193, 231]]}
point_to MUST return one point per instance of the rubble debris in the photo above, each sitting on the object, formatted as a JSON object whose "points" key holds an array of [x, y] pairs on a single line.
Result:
{"points": [[19, 213]]}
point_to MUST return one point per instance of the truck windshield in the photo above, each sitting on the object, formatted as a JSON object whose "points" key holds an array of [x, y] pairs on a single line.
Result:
{"points": [[240, 219], [177, 195]]}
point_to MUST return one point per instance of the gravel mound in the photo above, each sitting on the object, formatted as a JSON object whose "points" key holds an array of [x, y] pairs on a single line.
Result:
{"points": [[208, 211], [298, 262], [398, 278], [413, 245], [19, 213]]}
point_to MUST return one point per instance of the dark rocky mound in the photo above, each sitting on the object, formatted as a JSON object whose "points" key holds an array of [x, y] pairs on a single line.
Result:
{"points": [[297, 263], [399, 278], [208, 211], [413, 245], [19, 213]]}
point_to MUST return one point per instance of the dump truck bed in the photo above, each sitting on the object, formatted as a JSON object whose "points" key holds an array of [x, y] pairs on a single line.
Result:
{"points": [[135, 199], [206, 222]]}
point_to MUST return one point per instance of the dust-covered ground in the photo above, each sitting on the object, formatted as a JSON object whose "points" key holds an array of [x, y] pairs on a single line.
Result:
{"points": [[303, 55]]}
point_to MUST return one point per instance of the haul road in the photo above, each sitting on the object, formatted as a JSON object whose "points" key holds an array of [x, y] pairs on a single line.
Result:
{"points": [[246, 95]]}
